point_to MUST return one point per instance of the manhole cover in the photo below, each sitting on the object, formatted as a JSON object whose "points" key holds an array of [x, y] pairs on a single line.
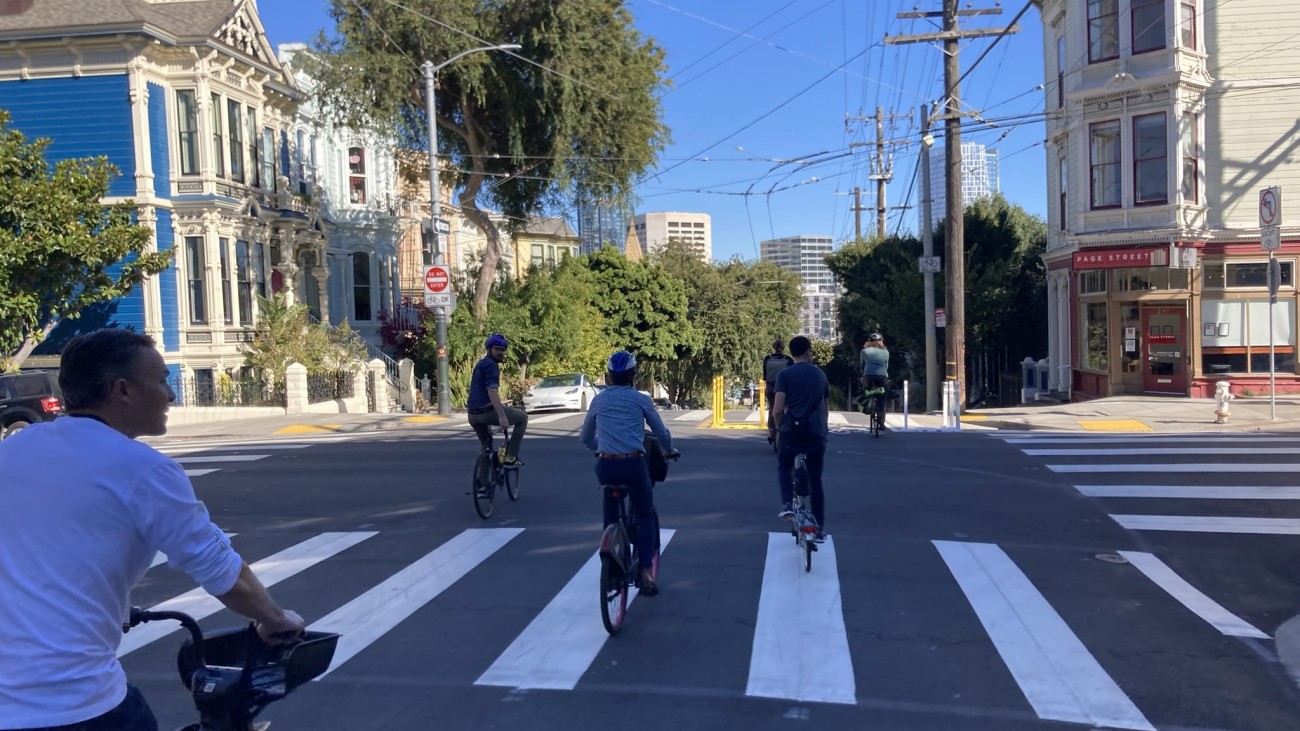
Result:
{"points": [[1111, 558]]}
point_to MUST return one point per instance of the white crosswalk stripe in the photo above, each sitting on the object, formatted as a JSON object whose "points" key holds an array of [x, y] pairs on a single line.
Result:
{"points": [[694, 415], [1191, 597]]}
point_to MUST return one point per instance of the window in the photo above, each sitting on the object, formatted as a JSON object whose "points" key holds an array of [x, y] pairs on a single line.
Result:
{"points": [[1104, 159], [224, 257], [300, 157], [1103, 30], [194, 271], [1092, 282], [1150, 159], [538, 255], [1236, 334], [1063, 186], [357, 175], [235, 125], [360, 286], [268, 158], [245, 283], [187, 127], [1096, 356], [259, 268], [1191, 160], [1148, 18], [1060, 72], [1187, 26], [218, 144], [1247, 275], [251, 139]]}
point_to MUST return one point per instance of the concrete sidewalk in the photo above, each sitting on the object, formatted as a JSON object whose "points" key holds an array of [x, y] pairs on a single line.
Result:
{"points": [[300, 424], [1139, 414]]}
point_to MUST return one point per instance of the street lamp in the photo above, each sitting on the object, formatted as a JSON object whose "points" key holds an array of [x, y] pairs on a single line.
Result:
{"points": [[435, 208]]}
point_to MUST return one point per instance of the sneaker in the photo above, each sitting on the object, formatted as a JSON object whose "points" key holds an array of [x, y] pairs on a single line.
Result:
{"points": [[787, 512], [511, 461], [648, 585], [820, 537]]}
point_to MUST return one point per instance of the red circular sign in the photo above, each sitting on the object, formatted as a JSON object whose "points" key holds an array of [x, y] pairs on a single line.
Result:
{"points": [[436, 280]]}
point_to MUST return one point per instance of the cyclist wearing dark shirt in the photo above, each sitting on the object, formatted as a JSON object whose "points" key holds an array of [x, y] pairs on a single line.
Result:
{"points": [[800, 410], [773, 364], [484, 402]]}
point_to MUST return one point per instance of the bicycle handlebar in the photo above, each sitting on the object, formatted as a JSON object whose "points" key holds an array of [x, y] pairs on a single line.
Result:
{"points": [[140, 616]]}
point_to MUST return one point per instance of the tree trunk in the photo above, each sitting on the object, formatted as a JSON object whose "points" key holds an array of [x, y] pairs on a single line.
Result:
{"points": [[15, 361]]}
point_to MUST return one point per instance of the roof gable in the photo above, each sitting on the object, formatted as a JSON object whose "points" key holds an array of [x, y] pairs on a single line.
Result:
{"points": [[243, 32]]}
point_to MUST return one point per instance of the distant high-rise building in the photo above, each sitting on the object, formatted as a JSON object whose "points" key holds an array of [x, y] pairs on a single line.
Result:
{"points": [[806, 256], [979, 177], [655, 230], [602, 223]]}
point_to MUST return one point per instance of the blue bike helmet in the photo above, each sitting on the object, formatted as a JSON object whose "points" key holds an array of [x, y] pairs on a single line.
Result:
{"points": [[621, 362], [495, 340]]}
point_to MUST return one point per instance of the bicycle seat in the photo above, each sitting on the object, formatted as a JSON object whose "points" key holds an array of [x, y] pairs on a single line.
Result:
{"points": [[267, 672], [615, 490]]}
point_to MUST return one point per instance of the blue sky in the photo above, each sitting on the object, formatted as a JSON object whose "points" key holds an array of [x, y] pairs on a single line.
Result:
{"points": [[760, 87]]}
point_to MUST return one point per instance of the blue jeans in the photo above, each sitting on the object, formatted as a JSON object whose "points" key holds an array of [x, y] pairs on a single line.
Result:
{"points": [[815, 457], [132, 714], [634, 473]]}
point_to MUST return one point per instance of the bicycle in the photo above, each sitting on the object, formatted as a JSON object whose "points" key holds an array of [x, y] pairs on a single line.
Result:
{"points": [[873, 403], [247, 674], [620, 564], [490, 475], [803, 526]]}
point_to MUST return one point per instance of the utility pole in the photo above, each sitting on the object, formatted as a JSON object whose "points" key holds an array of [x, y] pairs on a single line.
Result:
{"points": [[954, 227], [928, 268], [857, 213], [882, 170]]}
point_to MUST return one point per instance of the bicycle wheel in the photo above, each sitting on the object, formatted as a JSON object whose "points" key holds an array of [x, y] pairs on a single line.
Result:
{"points": [[880, 415], [484, 490], [807, 554], [512, 482], [613, 595]]}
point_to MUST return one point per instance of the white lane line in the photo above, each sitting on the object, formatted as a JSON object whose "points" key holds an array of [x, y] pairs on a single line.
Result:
{"points": [[835, 418], [752, 416], [1162, 439], [1233, 467], [200, 473], [1211, 524], [1191, 597], [371, 615], [221, 458], [557, 647], [160, 558], [1057, 674], [1195, 492], [694, 415], [271, 570], [173, 450], [801, 649], [1151, 452], [548, 418]]}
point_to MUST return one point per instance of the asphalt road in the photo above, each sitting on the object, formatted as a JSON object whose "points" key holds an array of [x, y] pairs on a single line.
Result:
{"points": [[968, 584]]}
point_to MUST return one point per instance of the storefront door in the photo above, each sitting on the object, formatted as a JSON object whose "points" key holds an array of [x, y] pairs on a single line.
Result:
{"points": [[1164, 346]]}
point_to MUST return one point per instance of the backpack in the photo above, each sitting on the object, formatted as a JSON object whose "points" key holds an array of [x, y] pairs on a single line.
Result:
{"points": [[772, 367], [656, 459]]}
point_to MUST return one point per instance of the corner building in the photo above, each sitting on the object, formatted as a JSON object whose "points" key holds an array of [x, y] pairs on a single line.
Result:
{"points": [[1165, 120]]}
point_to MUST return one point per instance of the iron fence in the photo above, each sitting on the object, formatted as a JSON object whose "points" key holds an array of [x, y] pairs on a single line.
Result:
{"points": [[329, 385], [226, 391]]}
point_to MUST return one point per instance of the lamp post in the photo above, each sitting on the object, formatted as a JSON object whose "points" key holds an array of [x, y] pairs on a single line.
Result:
{"points": [[435, 208]]}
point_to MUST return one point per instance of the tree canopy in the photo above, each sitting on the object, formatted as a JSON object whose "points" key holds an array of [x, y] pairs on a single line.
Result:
{"points": [[576, 105], [61, 249]]}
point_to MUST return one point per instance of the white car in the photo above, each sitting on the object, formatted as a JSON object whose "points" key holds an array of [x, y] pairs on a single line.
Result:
{"points": [[570, 391]]}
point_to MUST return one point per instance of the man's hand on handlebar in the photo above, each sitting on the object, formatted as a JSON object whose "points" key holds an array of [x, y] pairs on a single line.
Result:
{"points": [[286, 628]]}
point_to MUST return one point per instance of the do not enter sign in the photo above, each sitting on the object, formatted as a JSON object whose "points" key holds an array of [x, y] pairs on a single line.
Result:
{"points": [[437, 287]]}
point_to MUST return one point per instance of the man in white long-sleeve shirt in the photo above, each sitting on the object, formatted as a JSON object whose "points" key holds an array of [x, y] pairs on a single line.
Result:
{"points": [[86, 509]]}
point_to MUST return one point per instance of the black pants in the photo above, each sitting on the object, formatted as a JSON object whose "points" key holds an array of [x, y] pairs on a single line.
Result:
{"points": [[814, 458], [132, 714]]}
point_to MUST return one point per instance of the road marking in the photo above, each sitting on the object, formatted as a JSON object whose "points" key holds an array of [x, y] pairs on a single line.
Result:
{"points": [[221, 458], [160, 558], [801, 649], [368, 617], [835, 418], [752, 416], [694, 415], [1057, 674], [557, 647], [1211, 524], [424, 419], [271, 570], [1234, 467], [171, 450], [1191, 597], [200, 473], [1113, 425], [1194, 492], [1158, 451], [547, 418], [1138, 438]]}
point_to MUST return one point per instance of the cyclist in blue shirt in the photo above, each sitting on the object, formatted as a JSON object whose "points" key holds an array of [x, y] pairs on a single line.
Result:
{"points": [[801, 410], [615, 429], [484, 402]]}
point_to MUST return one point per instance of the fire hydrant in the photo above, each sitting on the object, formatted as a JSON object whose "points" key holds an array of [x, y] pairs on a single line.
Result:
{"points": [[1222, 397]]}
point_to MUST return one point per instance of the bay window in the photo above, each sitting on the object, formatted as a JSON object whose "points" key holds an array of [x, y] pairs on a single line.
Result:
{"points": [[251, 139], [357, 175], [1148, 18], [187, 128], [1104, 159], [224, 257], [1151, 159], [194, 273], [1190, 145], [1187, 26], [1103, 30], [235, 123], [244, 285], [218, 144], [360, 287], [268, 158]]}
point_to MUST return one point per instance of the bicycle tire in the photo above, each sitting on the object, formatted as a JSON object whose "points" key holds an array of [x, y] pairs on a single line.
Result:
{"points": [[807, 555], [512, 483], [613, 595], [483, 492], [879, 415]]}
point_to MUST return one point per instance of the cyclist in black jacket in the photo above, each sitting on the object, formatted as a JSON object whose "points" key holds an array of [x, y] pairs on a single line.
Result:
{"points": [[773, 364]]}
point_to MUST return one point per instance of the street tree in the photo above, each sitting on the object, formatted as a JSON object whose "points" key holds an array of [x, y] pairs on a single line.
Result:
{"points": [[1006, 281], [883, 292], [61, 249], [577, 105], [644, 308]]}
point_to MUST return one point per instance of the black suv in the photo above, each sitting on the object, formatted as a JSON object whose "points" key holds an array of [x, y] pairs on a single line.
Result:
{"points": [[26, 398]]}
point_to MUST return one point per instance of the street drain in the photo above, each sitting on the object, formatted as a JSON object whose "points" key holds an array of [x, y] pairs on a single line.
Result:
{"points": [[1110, 558]]}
